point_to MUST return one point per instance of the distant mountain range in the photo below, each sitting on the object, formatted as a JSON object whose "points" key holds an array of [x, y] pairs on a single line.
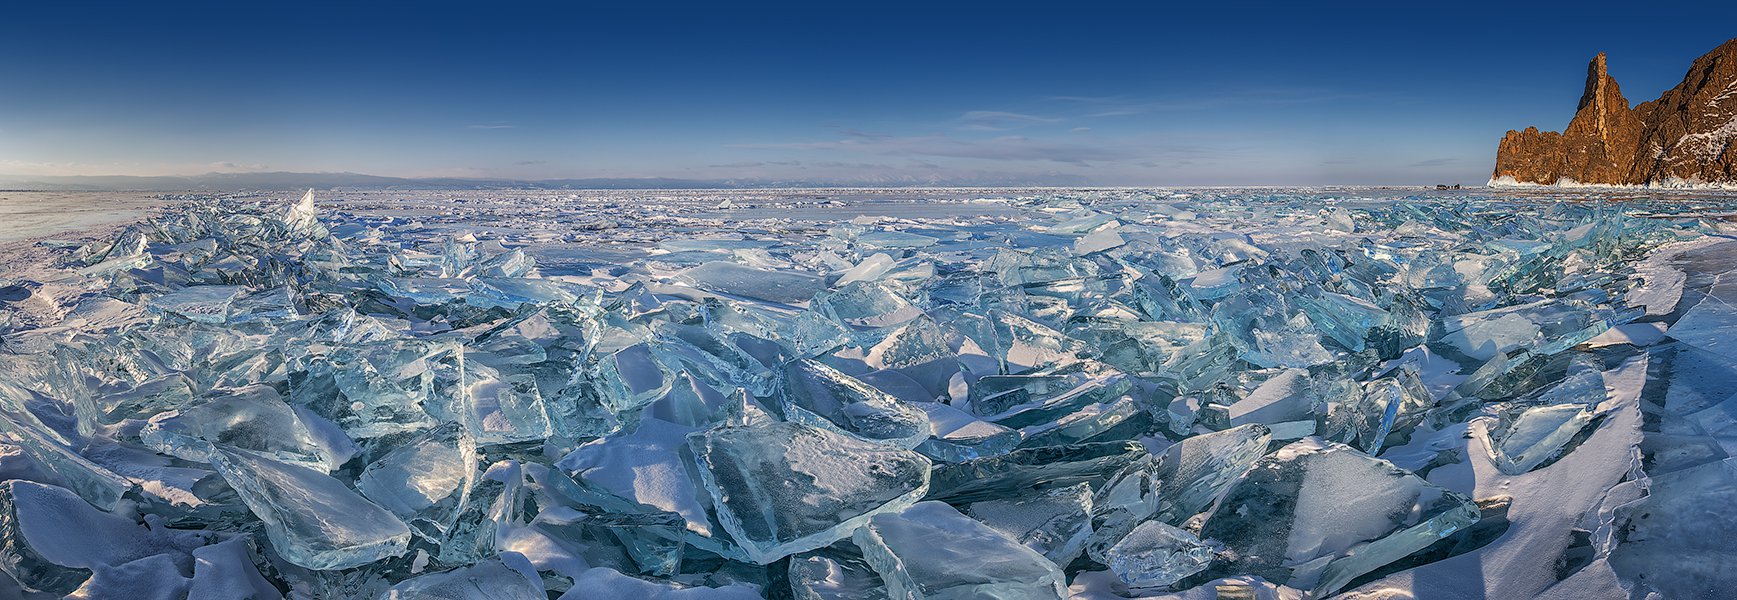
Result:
{"points": [[293, 181], [1686, 138]]}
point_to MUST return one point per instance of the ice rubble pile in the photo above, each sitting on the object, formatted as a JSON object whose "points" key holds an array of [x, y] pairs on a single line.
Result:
{"points": [[251, 401]]}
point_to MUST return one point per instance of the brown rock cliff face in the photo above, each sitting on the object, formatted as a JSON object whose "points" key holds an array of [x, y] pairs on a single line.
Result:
{"points": [[1688, 134]]}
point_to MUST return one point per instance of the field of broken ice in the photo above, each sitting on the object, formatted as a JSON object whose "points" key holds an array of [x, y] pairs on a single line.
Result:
{"points": [[1044, 394]]}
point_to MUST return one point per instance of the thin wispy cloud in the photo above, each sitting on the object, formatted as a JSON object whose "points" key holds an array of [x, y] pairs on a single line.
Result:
{"points": [[757, 164], [235, 166], [1005, 148], [1118, 106], [1435, 162], [996, 120], [491, 126]]}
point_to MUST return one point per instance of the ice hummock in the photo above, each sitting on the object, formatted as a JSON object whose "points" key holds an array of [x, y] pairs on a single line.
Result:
{"points": [[641, 396]]}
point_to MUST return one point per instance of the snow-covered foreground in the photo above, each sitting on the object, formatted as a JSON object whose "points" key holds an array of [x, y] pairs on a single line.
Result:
{"points": [[842, 394]]}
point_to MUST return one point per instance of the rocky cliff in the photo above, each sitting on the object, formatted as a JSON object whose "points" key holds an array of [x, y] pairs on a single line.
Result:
{"points": [[1687, 136]]}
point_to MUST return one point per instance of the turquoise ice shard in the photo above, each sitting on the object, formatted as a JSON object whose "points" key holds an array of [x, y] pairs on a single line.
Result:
{"points": [[1315, 515], [1053, 522], [1157, 554], [632, 377], [1268, 332], [312, 520], [251, 418], [1173, 486], [1098, 241], [504, 408], [865, 305], [1524, 438], [1083, 424], [1196, 470], [782, 488], [426, 481], [487, 580], [994, 476], [916, 343], [1385, 406], [931, 552], [1345, 319], [824, 397], [750, 282]]}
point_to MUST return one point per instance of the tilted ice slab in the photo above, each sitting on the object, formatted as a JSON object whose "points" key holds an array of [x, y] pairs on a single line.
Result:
{"points": [[315, 521], [783, 488], [931, 552], [1315, 515]]}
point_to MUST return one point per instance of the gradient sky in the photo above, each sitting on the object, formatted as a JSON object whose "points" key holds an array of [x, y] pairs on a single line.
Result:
{"points": [[1101, 93]]}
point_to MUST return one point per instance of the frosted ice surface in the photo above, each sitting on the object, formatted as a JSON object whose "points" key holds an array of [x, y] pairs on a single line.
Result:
{"points": [[931, 552], [1053, 522], [253, 418], [751, 282], [834, 573], [783, 488], [1157, 554], [821, 395], [426, 481]]}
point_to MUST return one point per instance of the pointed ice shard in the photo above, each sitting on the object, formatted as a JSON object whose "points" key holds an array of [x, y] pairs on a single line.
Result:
{"points": [[1315, 515], [822, 396], [999, 476], [251, 418], [1156, 554], [313, 521], [1526, 437], [749, 282], [865, 305], [1173, 486], [504, 408], [930, 551], [782, 488], [426, 481]]}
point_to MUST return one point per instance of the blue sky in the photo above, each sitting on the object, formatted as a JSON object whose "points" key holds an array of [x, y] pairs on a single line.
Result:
{"points": [[1075, 92]]}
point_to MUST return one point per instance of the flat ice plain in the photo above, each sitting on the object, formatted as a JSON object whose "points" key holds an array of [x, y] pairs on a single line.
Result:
{"points": [[861, 393]]}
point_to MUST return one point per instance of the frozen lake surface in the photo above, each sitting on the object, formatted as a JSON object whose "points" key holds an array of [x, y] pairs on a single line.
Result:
{"points": [[28, 215], [868, 393]]}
